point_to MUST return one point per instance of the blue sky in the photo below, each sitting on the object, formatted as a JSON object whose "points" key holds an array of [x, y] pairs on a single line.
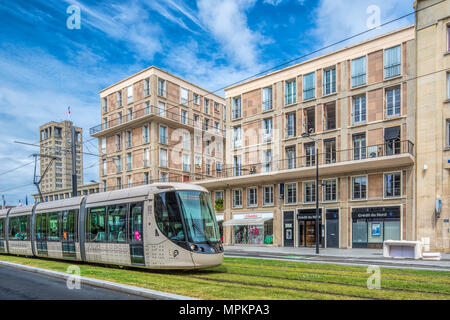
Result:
{"points": [[45, 66]]}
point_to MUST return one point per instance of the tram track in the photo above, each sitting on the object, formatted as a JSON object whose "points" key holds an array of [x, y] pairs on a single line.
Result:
{"points": [[339, 283]]}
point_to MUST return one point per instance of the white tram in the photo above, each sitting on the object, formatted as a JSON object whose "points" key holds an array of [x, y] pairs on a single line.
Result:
{"points": [[157, 226]]}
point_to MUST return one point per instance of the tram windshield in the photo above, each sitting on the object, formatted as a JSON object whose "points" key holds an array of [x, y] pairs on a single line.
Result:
{"points": [[195, 208]]}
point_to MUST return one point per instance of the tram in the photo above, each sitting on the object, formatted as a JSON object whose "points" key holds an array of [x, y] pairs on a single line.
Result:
{"points": [[156, 226]]}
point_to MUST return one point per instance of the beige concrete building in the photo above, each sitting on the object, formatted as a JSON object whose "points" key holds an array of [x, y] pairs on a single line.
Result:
{"points": [[433, 123], [158, 127], [358, 103], [56, 140], [66, 193]]}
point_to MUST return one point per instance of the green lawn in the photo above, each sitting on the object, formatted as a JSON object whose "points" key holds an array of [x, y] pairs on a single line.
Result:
{"points": [[257, 279]]}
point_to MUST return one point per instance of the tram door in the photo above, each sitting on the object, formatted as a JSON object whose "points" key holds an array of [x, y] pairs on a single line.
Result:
{"points": [[69, 223], [136, 233], [41, 234], [2, 235]]}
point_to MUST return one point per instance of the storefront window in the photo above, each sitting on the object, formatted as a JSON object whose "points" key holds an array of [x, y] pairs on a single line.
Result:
{"points": [[254, 234]]}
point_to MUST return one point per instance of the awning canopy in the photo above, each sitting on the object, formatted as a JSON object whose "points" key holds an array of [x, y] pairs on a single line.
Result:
{"points": [[246, 222]]}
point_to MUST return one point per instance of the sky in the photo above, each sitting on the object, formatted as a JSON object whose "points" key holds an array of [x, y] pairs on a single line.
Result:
{"points": [[46, 66]]}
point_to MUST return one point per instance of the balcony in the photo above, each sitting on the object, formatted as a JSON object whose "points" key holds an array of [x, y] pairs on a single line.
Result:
{"points": [[387, 155]]}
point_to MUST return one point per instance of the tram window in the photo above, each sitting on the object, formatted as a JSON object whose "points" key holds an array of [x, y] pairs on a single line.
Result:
{"points": [[136, 222], [2, 231], [53, 226], [168, 216], [69, 225], [117, 216], [41, 226], [96, 224], [18, 228]]}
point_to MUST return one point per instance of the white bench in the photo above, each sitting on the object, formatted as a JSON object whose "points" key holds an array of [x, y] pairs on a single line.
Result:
{"points": [[402, 249]]}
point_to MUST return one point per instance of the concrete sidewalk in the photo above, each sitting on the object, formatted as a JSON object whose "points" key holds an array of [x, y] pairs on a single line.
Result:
{"points": [[329, 255]]}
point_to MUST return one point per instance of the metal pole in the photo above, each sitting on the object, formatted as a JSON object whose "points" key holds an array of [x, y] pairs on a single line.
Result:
{"points": [[74, 161], [317, 198]]}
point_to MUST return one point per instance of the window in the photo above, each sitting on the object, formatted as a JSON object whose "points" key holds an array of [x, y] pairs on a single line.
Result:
{"points": [[119, 118], [291, 192], [393, 102], [129, 163], [236, 105], [237, 137], [267, 161], [161, 109], [291, 125], [18, 228], [117, 215], [146, 157], [96, 224], [291, 157], [130, 94], [392, 184], [359, 146], [309, 192], [130, 114], [392, 140], [198, 162], [392, 62], [208, 147], [310, 154], [164, 177], [184, 96], [218, 167], [237, 166], [448, 133], [267, 129], [119, 98], [237, 198], [186, 141], [103, 145], [163, 135], [118, 164], [216, 107], [252, 197], [330, 150], [358, 72], [196, 120], [163, 158], [146, 87], [310, 120], [218, 195], [104, 186], [359, 188], [329, 190], [104, 166], [105, 104], [118, 142], [53, 226], [145, 132], [448, 85], [206, 124], [359, 109], [448, 38], [329, 81], [146, 178], [186, 160], [196, 99], [267, 98], [128, 135], [206, 105], [290, 92], [162, 88], [268, 195], [105, 124], [309, 86], [330, 116], [184, 116]]}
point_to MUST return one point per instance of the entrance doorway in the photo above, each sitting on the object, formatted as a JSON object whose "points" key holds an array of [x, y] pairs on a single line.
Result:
{"points": [[307, 227], [332, 216], [288, 228]]}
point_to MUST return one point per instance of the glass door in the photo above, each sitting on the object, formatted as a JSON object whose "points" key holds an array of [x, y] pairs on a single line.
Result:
{"points": [[69, 231], [41, 234], [136, 233], [2, 235]]}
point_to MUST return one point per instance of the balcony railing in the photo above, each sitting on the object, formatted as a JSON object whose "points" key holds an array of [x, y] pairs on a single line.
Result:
{"points": [[390, 148]]}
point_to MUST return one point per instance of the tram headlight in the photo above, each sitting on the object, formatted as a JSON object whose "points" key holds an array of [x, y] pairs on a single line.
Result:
{"points": [[193, 247]]}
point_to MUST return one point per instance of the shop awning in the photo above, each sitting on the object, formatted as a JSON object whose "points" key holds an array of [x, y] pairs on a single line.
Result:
{"points": [[245, 222]]}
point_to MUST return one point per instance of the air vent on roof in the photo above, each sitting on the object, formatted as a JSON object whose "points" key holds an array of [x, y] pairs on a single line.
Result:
{"points": [[164, 187]]}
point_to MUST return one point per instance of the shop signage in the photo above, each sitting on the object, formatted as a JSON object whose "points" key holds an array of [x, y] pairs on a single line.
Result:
{"points": [[309, 214], [376, 212]]}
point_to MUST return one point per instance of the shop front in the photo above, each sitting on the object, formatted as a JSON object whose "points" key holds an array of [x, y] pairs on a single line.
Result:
{"points": [[252, 228], [306, 221], [371, 226]]}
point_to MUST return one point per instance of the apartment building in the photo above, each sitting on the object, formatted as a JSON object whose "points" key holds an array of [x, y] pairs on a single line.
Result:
{"points": [[56, 140], [433, 123], [158, 127], [351, 111]]}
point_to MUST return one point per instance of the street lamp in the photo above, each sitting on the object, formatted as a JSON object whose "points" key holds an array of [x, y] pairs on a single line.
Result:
{"points": [[306, 135]]}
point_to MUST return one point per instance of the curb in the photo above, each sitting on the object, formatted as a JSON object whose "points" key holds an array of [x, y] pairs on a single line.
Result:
{"points": [[137, 291]]}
